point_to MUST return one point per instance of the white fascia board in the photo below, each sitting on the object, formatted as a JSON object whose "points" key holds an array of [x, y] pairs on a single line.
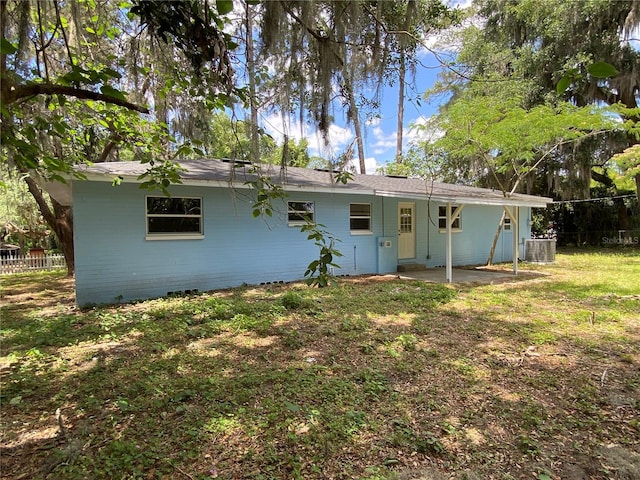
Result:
{"points": [[108, 177], [540, 202], [99, 177], [333, 190]]}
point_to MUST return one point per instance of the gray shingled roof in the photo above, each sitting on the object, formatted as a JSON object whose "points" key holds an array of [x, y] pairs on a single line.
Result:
{"points": [[220, 173]]}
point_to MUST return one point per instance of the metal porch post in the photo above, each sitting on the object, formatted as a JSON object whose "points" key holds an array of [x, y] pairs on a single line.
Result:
{"points": [[449, 260], [516, 235]]}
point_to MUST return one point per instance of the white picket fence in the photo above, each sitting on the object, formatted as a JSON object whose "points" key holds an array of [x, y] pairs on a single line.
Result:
{"points": [[27, 263]]}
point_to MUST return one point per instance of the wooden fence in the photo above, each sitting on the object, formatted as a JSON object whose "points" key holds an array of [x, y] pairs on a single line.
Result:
{"points": [[27, 263]]}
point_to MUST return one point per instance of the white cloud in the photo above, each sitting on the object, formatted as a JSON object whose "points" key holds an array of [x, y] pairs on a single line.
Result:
{"points": [[275, 126], [422, 130], [370, 163], [337, 140], [373, 121], [338, 137], [383, 141], [416, 129]]}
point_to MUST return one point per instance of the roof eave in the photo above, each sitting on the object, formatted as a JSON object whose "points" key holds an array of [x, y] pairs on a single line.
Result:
{"points": [[535, 202], [108, 177], [62, 192]]}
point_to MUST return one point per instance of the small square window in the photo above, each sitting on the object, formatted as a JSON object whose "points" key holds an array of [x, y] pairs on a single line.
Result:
{"points": [[507, 224], [360, 217], [442, 218], [300, 213]]}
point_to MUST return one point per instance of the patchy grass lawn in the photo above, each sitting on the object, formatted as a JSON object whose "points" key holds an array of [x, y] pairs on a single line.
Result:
{"points": [[534, 378]]}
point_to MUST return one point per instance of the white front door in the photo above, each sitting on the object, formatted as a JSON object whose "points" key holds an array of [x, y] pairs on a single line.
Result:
{"points": [[406, 230]]}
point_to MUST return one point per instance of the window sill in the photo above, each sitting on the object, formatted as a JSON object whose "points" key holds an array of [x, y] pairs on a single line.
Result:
{"points": [[174, 237], [453, 230], [361, 232]]}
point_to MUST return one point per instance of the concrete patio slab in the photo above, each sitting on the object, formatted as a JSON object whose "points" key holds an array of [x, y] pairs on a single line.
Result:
{"points": [[460, 275]]}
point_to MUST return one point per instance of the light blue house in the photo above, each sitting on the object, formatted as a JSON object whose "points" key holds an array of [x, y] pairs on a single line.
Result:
{"points": [[131, 243]]}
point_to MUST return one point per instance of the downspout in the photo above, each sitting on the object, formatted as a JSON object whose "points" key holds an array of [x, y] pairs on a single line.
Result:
{"points": [[383, 219], [355, 265]]}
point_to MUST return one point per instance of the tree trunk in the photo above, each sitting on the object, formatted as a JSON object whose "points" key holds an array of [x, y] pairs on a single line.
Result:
{"points": [[401, 88], [60, 220], [495, 239], [358, 130], [402, 74], [354, 116], [251, 72]]}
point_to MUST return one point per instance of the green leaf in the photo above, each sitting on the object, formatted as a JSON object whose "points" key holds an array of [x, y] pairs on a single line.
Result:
{"points": [[75, 76], [112, 92], [292, 407], [224, 6], [602, 70], [7, 48], [563, 84], [60, 128], [112, 73]]}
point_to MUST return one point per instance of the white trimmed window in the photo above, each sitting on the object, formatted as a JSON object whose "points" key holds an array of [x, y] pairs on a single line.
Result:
{"points": [[174, 217], [507, 224], [442, 219], [360, 218], [300, 213]]}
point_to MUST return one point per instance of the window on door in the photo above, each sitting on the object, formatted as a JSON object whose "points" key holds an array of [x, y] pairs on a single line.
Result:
{"points": [[406, 220]]}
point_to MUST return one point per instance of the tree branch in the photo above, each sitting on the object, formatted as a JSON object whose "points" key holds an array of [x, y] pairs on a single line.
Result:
{"points": [[108, 148], [604, 179], [549, 152], [48, 215], [24, 91]]}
